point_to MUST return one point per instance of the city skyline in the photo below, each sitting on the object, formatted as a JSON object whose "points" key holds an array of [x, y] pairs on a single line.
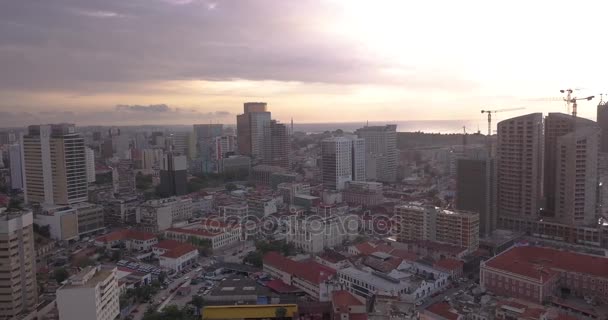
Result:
{"points": [[362, 61]]}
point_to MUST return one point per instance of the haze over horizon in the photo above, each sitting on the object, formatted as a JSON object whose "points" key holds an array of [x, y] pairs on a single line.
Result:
{"points": [[192, 61]]}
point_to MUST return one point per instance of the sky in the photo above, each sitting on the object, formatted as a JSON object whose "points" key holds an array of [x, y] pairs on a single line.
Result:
{"points": [[196, 61]]}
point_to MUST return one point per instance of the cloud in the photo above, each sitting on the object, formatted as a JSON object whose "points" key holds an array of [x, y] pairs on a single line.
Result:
{"points": [[98, 13], [149, 108]]}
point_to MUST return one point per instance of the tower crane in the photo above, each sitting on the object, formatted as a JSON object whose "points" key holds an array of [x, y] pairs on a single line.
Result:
{"points": [[569, 99], [489, 112]]}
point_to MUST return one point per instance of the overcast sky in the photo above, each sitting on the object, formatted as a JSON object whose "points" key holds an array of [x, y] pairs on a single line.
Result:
{"points": [[192, 61]]}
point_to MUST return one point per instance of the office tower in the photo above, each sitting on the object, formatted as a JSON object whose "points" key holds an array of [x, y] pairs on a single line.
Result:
{"points": [[4, 137], [381, 151], [180, 143], [276, 145], [576, 175], [90, 158], [250, 128], [602, 121], [225, 145], [54, 164], [563, 194], [91, 294], [418, 223], [358, 159], [141, 140], [336, 162], [16, 167], [121, 144], [519, 166], [475, 190], [173, 175], [123, 177], [150, 159], [107, 150], [18, 270], [205, 138]]}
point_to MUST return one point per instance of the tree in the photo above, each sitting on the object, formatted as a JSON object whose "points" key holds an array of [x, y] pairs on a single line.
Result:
{"points": [[253, 258], [61, 275], [116, 255], [198, 302], [280, 312], [230, 187]]}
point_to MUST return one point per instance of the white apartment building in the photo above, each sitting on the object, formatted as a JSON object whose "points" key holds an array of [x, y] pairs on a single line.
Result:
{"points": [[19, 294], [314, 233], [90, 160], [175, 255], [234, 211], [381, 151], [91, 294], [161, 214]]}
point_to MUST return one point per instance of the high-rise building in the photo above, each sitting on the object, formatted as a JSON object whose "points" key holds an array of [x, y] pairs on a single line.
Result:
{"points": [[205, 140], [180, 143], [90, 158], [224, 145], [358, 159], [336, 162], [519, 166], [276, 145], [123, 177], [16, 167], [576, 183], [418, 223], [18, 264], [602, 121], [381, 150], [54, 164], [250, 129], [91, 294], [475, 190], [173, 175], [571, 183]]}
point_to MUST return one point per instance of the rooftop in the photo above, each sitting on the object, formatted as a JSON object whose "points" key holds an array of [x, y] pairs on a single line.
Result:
{"points": [[125, 234], [444, 310], [310, 271], [202, 233], [535, 262], [343, 299], [179, 251], [449, 264], [168, 244]]}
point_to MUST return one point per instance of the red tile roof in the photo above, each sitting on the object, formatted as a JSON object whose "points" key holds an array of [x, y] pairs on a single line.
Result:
{"points": [[443, 309], [449, 264], [168, 244], [332, 256], [536, 261], [180, 251], [365, 248], [442, 247], [404, 254], [279, 286], [138, 235], [308, 270], [202, 233], [343, 299]]}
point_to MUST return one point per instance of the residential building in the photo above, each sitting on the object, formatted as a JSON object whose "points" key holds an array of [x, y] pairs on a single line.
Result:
{"points": [[16, 166], [367, 194], [336, 162], [150, 160], [173, 175], [538, 273], [160, 214], [358, 159], [602, 121], [234, 211], [54, 165], [276, 145], [18, 264], [225, 145], [180, 143], [90, 160], [475, 191], [311, 277], [91, 294], [381, 150], [315, 233], [123, 177], [250, 129], [460, 228], [571, 168], [519, 166], [129, 239], [123, 211], [174, 255]]}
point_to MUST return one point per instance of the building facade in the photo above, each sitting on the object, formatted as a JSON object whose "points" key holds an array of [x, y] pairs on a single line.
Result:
{"points": [[475, 191], [14, 159], [91, 294], [54, 164], [173, 175], [277, 145], [18, 268], [381, 150], [367, 194], [160, 214], [336, 162], [519, 166], [250, 129]]}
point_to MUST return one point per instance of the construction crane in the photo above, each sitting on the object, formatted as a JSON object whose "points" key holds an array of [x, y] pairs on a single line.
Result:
{"points": [[489, 112], [569, 99]]}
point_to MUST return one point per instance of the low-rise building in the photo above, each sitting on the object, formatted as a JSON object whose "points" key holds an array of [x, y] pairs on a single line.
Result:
{"points": [[290, 190], [367, 194], [536, 273], [218, 233], [176, 256], [450, 266], [91, 294], [314, 233], [311, 277], [441, 311], [130, 239], [90, 218], [123, 211], [160, 214], [237, 211], [347, 306], [262, 206], [62, 221]]}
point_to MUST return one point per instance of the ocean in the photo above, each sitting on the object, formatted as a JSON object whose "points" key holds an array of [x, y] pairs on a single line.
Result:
{"points": [[428, 126]]}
